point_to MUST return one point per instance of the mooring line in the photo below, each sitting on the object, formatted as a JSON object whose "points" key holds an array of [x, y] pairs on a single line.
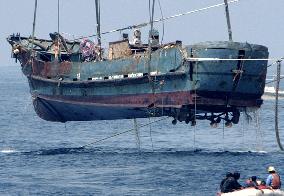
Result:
{"points": [[123, 132]]}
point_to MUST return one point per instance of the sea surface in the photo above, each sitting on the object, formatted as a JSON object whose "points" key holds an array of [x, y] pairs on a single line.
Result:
{"points": [[45, 158]]}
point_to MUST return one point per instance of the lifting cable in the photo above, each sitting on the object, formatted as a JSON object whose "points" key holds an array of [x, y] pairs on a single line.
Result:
{"points": [[137, 134], [276, 105], [123, 132], [243, 131], [258, 137], [195, 106], [159, 20], [150, 127]]}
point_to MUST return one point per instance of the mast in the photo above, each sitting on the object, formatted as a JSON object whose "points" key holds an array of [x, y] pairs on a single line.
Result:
{"points": [[228, 20], [98, 17], [34, 23], [58, 32], [58, 16], [150, 33]]}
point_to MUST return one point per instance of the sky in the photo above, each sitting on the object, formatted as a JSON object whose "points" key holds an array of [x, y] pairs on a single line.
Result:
{"points": [[253, 21]]}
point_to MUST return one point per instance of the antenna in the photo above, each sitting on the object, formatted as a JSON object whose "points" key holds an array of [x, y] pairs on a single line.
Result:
{"points": [[228, 20]]}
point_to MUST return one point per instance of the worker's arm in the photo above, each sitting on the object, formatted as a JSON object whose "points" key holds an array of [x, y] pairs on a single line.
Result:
{"points": [[269, 180]]}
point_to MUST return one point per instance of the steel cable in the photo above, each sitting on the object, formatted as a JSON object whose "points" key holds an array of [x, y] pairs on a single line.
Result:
{"points": [[123, 132]]}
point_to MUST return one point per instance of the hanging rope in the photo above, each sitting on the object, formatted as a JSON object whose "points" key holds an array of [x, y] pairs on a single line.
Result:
{"points": [[276, 105], [159, 20], [243, 130], [257, 131], [121, 133], [195, 104], [150, 127], [223, 136], [137, 134]]}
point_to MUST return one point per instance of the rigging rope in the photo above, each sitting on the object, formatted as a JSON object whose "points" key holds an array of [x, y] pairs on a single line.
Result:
{"points": [[159, 20], [276, 106], [120, 133]]}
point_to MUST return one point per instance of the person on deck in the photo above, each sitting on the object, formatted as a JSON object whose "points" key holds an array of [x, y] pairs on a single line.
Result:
{"points": [[273, 180], [232, 184]]}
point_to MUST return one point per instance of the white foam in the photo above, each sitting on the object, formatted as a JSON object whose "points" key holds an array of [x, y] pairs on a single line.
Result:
{"points": [[8, 150]]}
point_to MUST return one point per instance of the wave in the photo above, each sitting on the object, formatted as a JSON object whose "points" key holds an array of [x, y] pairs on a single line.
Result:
{"points": [[133, 151], [8, 151]]}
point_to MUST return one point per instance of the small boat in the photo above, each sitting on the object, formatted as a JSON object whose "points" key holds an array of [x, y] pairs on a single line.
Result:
{"points": [[255, 192]]}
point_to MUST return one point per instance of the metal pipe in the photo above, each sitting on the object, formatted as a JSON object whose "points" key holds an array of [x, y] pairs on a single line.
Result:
{"points": [[228, 20]]}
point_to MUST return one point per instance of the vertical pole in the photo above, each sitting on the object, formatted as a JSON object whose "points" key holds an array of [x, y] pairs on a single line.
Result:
{"points": [[276, 104], [150, 38], [34, 23], [228, 20], [98, 17], [58, 17], [58, 30]]}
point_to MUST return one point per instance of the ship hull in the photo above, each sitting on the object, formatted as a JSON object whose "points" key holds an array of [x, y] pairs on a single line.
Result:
{"points": [[86, 105], [69, 89]]}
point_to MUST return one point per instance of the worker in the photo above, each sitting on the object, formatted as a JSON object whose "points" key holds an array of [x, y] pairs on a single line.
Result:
{"points": [[154, 38], [136, 37], [273, 179], [251, 182], [228, 174], [262, 185], [232, 184]]}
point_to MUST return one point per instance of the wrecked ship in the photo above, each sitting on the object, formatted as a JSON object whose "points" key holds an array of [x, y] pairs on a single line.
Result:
{"points": [[73, 80]]}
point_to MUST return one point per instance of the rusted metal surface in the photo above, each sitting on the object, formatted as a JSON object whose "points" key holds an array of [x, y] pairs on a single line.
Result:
{"points": [[124, 86]]}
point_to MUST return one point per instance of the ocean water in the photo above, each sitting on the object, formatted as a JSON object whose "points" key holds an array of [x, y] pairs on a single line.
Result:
{"points": [[44, 158]]}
